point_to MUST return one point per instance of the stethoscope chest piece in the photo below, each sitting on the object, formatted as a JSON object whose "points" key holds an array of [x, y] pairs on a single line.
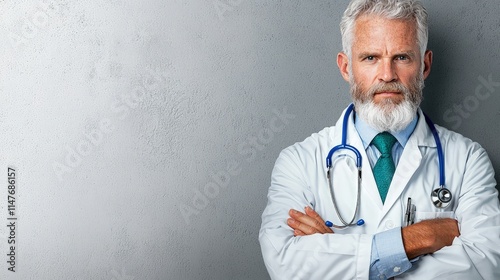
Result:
{"points": [[441, 197]]}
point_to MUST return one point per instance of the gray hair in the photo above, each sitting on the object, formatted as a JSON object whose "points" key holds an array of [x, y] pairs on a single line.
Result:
{"points": [[390, 9]]}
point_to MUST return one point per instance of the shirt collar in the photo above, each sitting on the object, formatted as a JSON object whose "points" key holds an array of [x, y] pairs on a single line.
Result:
{"points": [[367, 133]]}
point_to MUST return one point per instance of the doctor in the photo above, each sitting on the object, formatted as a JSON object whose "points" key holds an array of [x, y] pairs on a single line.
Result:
{"points": [[406, 234]]}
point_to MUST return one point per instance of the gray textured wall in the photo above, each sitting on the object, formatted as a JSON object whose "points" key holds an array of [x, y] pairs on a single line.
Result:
{"points": [[143, 133]]}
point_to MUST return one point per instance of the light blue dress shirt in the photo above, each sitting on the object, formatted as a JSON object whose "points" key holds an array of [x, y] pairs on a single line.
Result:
{"points": [[388, 257]]}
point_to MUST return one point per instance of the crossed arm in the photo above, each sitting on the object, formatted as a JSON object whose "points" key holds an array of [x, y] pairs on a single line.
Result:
{"points": [[422, 238], [324, 254]]}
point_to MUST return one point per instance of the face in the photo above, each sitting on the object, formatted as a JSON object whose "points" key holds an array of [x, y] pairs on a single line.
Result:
{"points": [[385, 70]]}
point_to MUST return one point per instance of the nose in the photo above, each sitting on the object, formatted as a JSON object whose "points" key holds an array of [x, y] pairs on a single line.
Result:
{"points": [[387, 71]]}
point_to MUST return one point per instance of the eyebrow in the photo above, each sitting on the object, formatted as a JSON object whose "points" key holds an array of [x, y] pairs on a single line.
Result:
{"points": [[366, 54], [410, 53]]}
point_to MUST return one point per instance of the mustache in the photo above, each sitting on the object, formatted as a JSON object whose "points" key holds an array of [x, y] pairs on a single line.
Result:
{"points": [[412, 91], [387, 87]]}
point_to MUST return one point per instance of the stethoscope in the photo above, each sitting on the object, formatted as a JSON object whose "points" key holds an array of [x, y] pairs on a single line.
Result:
{"points": [[441, 197]]}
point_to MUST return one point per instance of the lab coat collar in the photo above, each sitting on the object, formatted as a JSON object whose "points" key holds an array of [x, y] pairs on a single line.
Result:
{"points": [[367, 133], [422, 135], [352, 134], [408, 164]]}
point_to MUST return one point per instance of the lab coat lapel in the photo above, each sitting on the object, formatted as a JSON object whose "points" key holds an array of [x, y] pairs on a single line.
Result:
{"points": [[409, 162]]}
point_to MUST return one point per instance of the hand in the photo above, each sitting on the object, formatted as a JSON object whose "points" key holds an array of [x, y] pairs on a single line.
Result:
{"points": [[429, 236], [308, 223]]}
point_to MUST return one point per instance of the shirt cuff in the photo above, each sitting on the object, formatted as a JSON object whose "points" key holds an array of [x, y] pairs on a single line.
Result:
{"points": [[388, 257]]}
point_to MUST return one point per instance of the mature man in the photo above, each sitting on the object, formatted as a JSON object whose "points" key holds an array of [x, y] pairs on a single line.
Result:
{"points": [[408, 232]]}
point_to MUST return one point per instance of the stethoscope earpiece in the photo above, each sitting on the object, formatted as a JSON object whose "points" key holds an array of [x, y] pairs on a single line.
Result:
{"points": [[441, 197], [360, 222]]}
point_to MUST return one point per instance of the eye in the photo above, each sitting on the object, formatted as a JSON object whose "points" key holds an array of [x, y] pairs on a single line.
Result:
{"points": [[402, 57], [369, 58]]}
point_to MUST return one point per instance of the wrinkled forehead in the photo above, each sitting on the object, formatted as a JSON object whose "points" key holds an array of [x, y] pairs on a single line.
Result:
{"points": [[374, 31]]}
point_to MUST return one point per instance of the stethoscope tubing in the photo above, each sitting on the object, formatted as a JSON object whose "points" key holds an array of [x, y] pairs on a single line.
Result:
{"points": [[441, 197]]}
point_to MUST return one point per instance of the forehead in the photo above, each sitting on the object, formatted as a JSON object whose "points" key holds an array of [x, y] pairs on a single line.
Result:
{"points": [[376, 32]]}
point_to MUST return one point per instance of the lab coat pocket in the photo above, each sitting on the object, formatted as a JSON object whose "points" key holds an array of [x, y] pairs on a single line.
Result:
{"points": [[420, 216]]}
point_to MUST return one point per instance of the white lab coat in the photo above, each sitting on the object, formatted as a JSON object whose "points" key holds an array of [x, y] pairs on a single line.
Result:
{"points": [[299, 179]]}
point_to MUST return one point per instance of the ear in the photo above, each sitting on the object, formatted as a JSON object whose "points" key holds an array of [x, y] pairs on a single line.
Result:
{"points": [[427, 63], [343, 64]]}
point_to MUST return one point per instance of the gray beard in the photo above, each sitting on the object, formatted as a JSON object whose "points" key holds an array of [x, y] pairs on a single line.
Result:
{"points": [[388, 116], [384, 119]]}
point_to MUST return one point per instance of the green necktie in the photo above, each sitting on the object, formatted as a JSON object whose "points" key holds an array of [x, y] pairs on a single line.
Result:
{"points": [[384, 168]]}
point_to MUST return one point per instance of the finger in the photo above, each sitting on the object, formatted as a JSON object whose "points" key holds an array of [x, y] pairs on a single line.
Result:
{"points": [[298, 232], [304, 228], [308, 221], [295, 214], [316, 223], [313, 214], [294, 224]]}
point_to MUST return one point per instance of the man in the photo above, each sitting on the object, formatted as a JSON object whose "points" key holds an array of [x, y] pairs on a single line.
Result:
{"points": [[385, 61]]}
